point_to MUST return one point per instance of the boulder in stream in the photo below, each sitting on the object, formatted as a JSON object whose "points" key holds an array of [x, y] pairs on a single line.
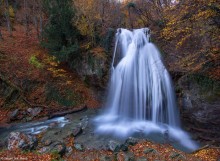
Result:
{"points": [[19, 140], [131, 141], [58, 147], [105, 158], [129, 156], [114, 146], [34, 111], [14, 115], [77, 131], [78, 146]]}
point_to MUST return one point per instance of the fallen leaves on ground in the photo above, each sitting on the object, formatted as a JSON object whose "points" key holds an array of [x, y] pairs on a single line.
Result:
{"points": [[154, 151], [15, 54], [22, 156]]}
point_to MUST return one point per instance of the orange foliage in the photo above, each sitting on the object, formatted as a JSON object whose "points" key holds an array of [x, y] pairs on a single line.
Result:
{"points": [[15, 54]]}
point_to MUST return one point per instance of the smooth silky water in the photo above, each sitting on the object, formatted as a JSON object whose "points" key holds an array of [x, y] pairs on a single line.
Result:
{"points": [[141, 99]]}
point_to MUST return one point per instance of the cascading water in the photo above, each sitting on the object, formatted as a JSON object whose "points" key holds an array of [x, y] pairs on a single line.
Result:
{"points": [[141, 96]]}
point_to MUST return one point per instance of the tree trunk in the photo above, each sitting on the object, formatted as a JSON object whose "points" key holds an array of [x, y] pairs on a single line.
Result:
{"points": [[1, 38], [26, 18], [41, 26], [7, 16], [40, 21], [35, 18]]}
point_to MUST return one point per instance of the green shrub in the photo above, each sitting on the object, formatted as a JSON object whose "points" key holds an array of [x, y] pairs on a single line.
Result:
{"points": [[35, 62]]}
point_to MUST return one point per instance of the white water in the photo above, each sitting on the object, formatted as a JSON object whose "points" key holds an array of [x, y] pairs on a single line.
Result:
{"points": [[141, 96], [38, 127]]}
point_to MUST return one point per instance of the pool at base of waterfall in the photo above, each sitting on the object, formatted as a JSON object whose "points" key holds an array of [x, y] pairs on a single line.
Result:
{"points": [[116, 128]]}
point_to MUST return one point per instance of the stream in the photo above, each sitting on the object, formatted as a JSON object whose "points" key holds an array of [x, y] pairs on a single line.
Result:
{"points": [[58, 129]]}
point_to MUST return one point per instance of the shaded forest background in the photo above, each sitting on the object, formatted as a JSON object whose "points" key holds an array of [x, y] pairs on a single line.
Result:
{"points": [[187, 30], [55, 55]]}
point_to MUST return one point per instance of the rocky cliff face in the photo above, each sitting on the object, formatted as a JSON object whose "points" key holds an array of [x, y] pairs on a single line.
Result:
{"points": [[94, 68], [198, 100]]}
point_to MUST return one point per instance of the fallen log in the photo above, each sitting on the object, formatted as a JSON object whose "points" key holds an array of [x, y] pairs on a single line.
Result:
{"points": [[59, 114]]}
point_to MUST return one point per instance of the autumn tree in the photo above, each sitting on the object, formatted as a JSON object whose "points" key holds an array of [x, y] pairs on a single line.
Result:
{"points": [[193, 29], [59, 35], [95, 18], [26, 16], [37, 16]]}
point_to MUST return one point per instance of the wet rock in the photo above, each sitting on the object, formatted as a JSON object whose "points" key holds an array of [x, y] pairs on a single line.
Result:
{"points": [[84, 122], [27, 119], [131, 141], [23, 112], [53, 124], [76, 131], [2, 145], [34, 111], [84, 118], [14, 115], [186, 102], [43, 150], [92, 73], [29, 110], [199, 107], [47, 142], [68, 151], [58, 147], [18, 140], [129, 156], [124, 147], [57, 132], [142, 159], [150, 150], [114, 146], [105, 158], [78, 147]]}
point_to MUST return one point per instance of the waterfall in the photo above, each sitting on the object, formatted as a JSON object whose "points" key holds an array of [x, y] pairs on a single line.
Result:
{"points": [[141, 96]]}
